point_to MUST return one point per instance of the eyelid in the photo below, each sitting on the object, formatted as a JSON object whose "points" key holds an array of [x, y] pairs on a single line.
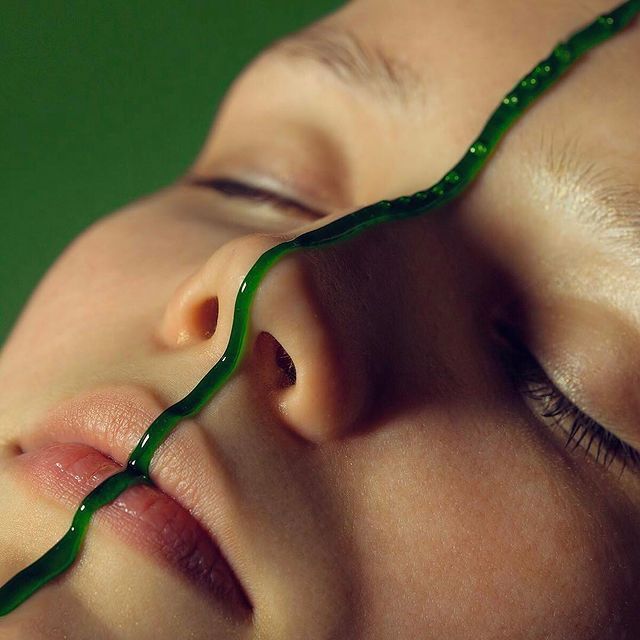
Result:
{"points": [[583, 431], [233, 188], [539, 388], [591, 350]]}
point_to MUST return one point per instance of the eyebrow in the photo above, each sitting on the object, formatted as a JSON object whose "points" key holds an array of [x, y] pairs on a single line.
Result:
{"points": [[598, 194], [354, 62]]}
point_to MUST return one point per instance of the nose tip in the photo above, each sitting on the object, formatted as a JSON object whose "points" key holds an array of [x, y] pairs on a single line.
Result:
{"points": [[313, 381]]}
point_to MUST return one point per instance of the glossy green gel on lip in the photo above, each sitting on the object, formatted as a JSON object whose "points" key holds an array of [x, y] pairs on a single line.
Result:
{"points": [[62, 555]]}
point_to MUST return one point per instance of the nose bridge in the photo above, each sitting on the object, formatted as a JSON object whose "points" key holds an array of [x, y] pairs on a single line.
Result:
{"points": [[314, 382]]}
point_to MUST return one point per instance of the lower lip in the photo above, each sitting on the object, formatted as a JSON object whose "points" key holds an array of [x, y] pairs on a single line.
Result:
{"points": [[142, 515]]}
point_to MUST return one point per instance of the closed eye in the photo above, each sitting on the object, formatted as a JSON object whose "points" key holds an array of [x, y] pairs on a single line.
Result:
{"points": [[552, 407], [235, 189]]}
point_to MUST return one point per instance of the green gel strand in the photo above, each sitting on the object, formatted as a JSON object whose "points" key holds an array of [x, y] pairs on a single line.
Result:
{"points": [[62, 555]]}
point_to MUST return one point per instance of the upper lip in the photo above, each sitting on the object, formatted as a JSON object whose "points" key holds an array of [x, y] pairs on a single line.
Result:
{"points": [[187, 467]]}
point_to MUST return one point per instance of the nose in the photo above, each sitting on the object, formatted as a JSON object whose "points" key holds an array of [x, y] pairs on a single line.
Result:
{"points": [[307, 365]]}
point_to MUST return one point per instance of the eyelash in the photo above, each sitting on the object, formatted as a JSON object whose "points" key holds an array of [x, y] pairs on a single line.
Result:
{"points": [[550, 403], [237, 189]]}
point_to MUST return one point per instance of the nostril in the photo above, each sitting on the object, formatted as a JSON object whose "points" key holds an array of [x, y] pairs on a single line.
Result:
{"points": [[206, 317], [271, 352], [285, 364]]}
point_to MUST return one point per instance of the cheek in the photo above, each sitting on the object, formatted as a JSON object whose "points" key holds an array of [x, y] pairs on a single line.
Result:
{"points": [[481, 532], [106, 293]]}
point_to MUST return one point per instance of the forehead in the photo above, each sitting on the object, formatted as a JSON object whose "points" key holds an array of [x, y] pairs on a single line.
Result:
{"points": [[434, 59]]}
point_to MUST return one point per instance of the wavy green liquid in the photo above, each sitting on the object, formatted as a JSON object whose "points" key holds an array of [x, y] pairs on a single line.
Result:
{"points": [[62, 555]]}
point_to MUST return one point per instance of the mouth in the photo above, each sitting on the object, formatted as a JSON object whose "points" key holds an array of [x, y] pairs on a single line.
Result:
{"points": [[87, 440]]}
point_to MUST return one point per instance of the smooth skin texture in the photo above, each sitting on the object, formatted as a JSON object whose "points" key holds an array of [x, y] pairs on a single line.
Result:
{"points": [[403, 487]]}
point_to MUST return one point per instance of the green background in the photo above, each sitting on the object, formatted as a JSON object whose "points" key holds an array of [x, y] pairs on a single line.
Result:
{"points": [[101, 102]]}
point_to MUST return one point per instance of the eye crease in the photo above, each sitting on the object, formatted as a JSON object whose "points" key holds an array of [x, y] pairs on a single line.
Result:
{"points": [[231, 188]]}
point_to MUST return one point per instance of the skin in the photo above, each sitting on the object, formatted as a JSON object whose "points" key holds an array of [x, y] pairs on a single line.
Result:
{"points": [[402, 488]]}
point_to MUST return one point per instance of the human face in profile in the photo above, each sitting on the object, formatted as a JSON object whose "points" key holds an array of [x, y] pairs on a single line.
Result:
{"points": [[385, 462]]}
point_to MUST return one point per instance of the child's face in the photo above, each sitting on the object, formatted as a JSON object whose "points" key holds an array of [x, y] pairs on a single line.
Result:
{"points": [[401, 486]]}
